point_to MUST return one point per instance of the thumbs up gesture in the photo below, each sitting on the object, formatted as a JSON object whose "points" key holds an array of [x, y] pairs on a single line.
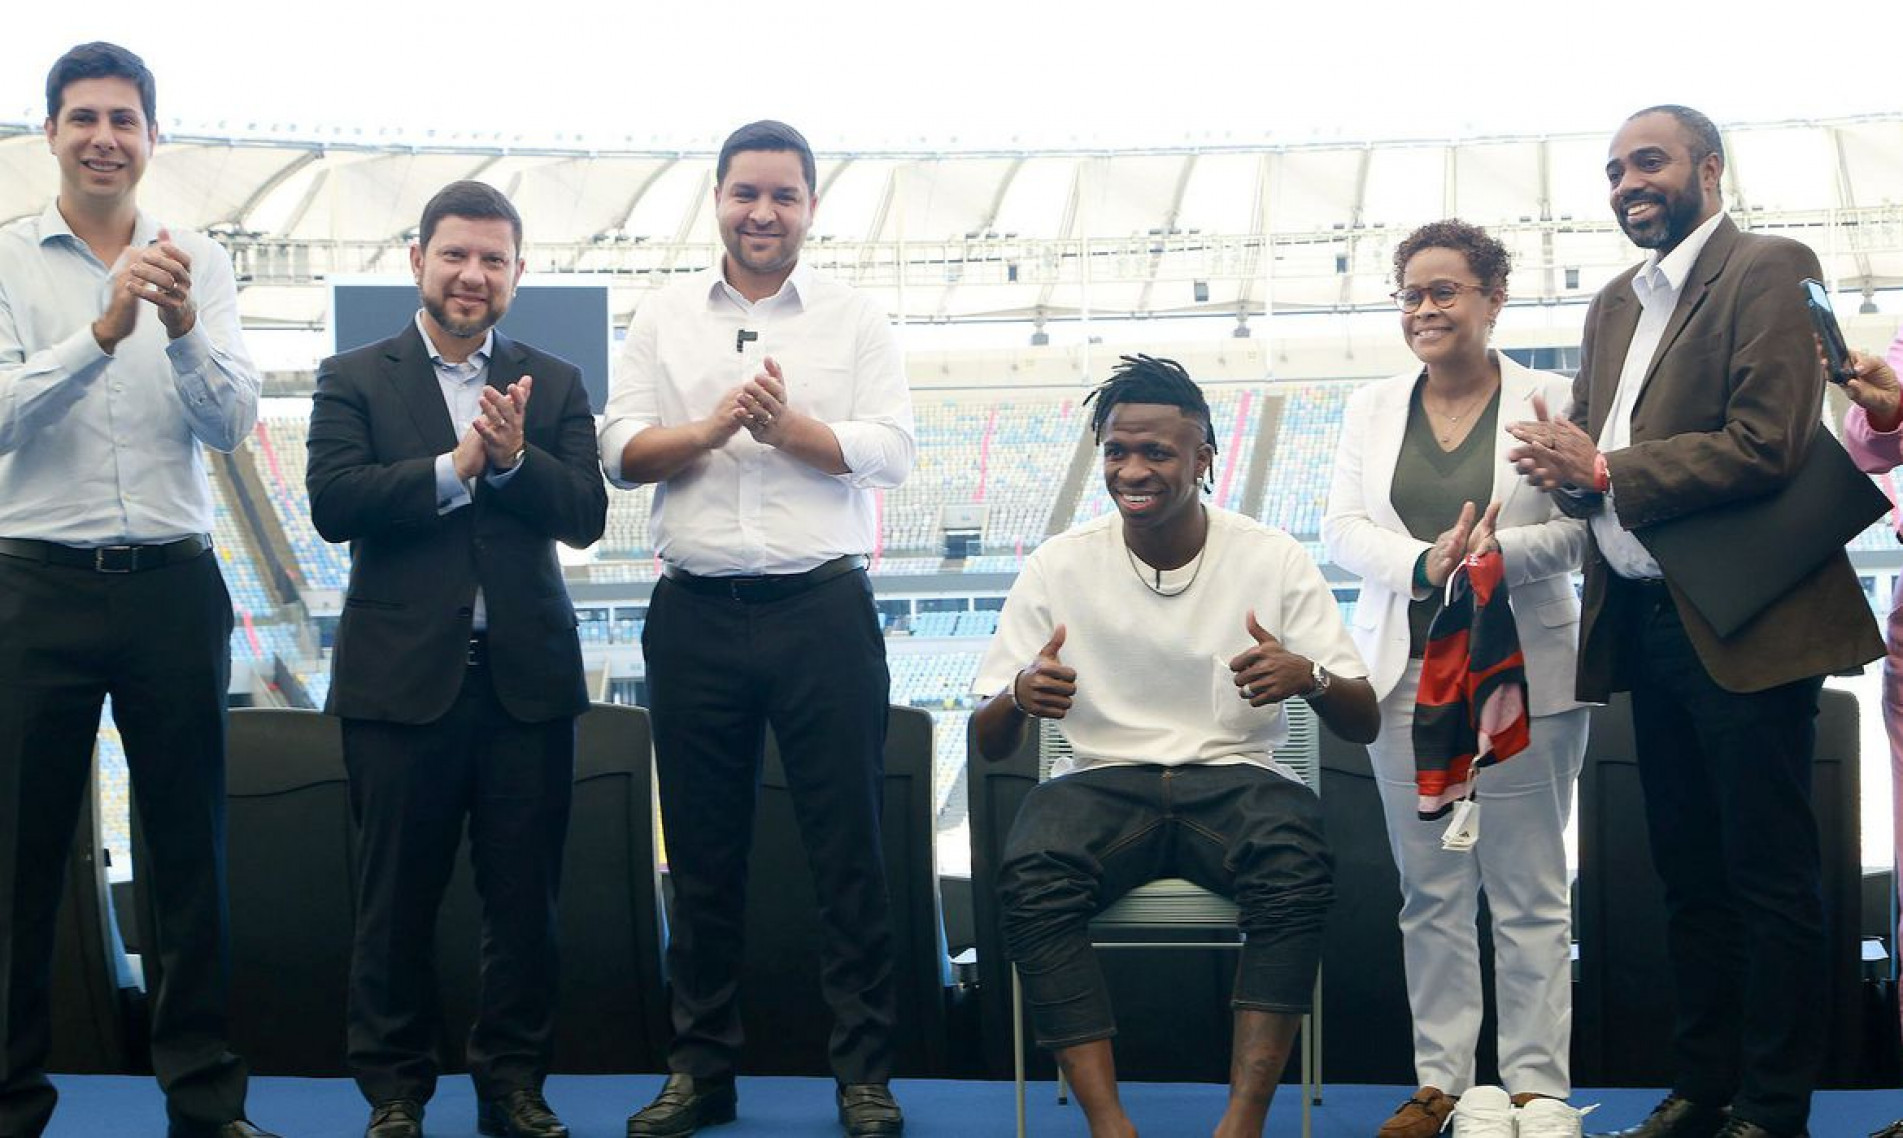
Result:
{"points": [[1267, 672], [1044, 687]]}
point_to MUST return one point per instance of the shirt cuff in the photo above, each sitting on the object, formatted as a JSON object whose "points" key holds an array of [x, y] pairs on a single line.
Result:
{"points": [[501, 477], [614, 439], [451, 494], [190, 352], [81, 353]]}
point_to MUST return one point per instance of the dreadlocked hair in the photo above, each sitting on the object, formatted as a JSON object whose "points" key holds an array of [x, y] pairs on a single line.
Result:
{"points": [[1149, 379]]}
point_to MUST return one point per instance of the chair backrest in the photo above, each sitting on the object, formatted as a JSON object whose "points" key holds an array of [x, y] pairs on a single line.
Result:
{"points": [[289, 873], [786, 1020], [95, 1029], [611, 1012], [1624, 973], [1301, 754]]}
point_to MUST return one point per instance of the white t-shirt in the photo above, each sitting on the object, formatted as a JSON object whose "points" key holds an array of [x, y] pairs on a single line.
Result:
{"points": [[1153, 678]]}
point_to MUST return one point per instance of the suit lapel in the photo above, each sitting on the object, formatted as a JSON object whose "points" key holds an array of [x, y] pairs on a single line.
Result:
{"points": [[1516, 405], [506, 363], [1387, 426], [1705, 270], [413, 377]]}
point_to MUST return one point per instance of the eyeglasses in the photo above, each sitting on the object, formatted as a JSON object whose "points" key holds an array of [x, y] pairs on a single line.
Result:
{"points": [[1442, 293]]}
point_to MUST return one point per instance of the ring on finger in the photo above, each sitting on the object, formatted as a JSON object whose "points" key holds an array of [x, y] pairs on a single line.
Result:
{"points": [[1248, 691]]}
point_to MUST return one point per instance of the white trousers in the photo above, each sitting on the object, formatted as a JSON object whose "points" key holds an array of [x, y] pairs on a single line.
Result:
{"points": [[1520, 860]]}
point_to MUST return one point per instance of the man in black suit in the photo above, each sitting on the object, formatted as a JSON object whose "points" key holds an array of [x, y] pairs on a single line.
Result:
{"points": [[458, 671]]}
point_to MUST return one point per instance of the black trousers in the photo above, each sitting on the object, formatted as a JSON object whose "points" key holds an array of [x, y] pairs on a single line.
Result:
{"points": [[1084, 840], [1727, 780], [157, 642], [719, 671], [411, 787]]}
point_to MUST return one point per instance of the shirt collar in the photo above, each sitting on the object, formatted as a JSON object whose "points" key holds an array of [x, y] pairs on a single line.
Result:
{"points": [[145, 229], [479, 358], [1671, 271], [798, 284]]}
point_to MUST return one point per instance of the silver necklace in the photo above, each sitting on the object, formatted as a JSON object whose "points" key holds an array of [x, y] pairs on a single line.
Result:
{"points": [[1157, 585]]}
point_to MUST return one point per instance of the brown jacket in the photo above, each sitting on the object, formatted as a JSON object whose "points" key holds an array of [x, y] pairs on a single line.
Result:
{"points": [[1727, 410]]}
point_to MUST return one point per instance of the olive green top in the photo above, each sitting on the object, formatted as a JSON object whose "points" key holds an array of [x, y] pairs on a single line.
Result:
{"points": [[1430, 484]]}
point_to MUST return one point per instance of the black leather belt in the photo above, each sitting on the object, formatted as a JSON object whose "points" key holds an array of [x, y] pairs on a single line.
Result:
{"points": [[106, 558], [761, 590], [1651, 593]]}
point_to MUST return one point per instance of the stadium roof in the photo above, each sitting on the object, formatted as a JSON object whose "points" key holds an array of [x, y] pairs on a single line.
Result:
{"points": [[987, 235]]}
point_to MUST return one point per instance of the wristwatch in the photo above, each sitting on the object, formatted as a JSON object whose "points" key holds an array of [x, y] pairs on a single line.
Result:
{"points": [[1320, 679]]}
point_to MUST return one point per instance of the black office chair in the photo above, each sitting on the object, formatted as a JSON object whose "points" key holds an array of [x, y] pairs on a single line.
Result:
{"points": [[612, 1012], [289, 874], [786, 1020]]}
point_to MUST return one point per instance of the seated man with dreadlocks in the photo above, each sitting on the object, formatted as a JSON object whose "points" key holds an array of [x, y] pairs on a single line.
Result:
{"points": [[1165, 636]]}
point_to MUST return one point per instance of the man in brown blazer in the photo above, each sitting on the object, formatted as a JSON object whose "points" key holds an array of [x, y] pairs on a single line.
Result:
{"points": [[1699, 386]]}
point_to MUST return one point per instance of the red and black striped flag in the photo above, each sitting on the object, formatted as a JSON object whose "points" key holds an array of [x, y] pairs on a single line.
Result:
{"points": [[1471, 710]]}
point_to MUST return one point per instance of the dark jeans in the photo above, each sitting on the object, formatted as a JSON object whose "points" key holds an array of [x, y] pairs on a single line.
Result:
{"points": [[411, 787], [719, 671], [1083, 840], [158, 642], [1727, 780]]}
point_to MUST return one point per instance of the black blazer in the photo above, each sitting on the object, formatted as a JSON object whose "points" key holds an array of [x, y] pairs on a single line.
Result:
{"points": [[378, 421]]}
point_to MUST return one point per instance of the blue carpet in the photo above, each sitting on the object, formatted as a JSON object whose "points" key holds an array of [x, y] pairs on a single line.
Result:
{"points": [[116, 1106]]}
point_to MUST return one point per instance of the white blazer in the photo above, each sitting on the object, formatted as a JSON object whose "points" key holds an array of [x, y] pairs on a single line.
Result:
{"points": [[1541, 547]]}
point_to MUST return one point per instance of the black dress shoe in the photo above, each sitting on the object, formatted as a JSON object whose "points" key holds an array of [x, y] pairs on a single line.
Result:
{"points": [[1893, 1130], [519, 1114], [1675, 1118], [397, 1118], [868, 1110], [1739, 1128], [685, 1104], [236, 1128]]}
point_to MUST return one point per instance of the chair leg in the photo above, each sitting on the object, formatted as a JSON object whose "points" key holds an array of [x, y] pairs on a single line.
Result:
{"points": [[1316, 1015], [1017, 1043], [1308, 1072]]}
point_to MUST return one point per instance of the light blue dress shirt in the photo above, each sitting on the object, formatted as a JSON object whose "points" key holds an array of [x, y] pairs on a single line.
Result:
{"points": [[462, 386], [100, 449]]}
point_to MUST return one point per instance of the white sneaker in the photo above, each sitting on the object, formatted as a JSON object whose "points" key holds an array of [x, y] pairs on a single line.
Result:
{"points": [[1485, 1112], [1548, 1118]]}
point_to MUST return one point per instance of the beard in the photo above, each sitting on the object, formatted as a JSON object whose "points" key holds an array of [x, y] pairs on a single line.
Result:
{"points": [[462, 329], [782, 257], [1679, 214]]}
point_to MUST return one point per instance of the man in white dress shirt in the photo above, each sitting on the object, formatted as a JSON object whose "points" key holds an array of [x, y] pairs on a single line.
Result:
{"points": [[766, 404], [120, 360]]}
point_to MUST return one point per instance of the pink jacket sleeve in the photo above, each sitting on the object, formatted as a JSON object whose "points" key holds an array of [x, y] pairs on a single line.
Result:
{"points": [[1875, 452]]}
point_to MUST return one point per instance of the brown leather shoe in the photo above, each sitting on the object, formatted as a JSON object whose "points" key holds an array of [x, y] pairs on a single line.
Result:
{"points": [[1422, 1116], [1675, 1118]]}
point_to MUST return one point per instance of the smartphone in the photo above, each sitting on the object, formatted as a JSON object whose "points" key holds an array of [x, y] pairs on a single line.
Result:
{"points": [[1824, 321]]}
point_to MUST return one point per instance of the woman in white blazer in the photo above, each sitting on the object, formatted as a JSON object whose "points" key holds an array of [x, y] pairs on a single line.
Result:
{"points": [[1414, 448]]}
